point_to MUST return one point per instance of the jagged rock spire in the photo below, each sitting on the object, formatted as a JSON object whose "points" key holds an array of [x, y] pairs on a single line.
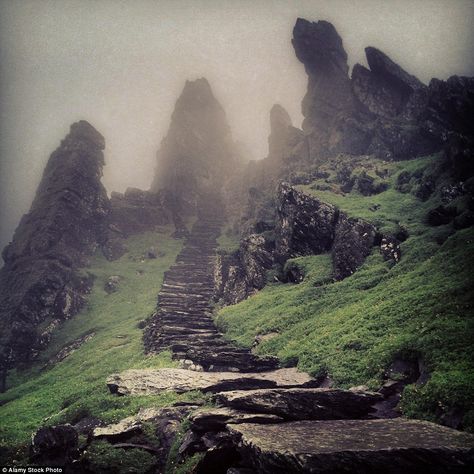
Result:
{"points": [[198, 151], [39, 283]]}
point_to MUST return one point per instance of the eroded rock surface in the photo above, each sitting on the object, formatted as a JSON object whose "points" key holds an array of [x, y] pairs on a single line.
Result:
{"points": [[152, 381], [376, 446], [381, 110], [302, 403]]}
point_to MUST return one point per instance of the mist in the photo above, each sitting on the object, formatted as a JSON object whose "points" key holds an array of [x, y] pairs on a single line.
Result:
{"points": [[122, 64]]}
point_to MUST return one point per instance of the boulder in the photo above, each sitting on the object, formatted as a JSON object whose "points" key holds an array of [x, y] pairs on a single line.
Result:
{"points": [[153, 381], [357, 446], [302, 403], [54, 446]]}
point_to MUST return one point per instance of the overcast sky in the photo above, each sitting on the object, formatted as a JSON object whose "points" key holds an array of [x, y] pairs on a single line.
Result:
{"points": [[122, 64]]}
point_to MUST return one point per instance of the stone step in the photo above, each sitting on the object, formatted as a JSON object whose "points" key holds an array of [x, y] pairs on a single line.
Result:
{"points": [[243, 360], [303, 403], [153, 381], [396, 446], [178, 313]]}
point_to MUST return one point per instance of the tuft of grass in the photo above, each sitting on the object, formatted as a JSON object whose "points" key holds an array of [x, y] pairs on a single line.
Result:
{"points": [[102, 458], [75, 387]]}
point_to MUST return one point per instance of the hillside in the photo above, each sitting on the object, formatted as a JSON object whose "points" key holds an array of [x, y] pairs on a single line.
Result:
{"points": [[309, 312], [66, 384], [419, 310]]}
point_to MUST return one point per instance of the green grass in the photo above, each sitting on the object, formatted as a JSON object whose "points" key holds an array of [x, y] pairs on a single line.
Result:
{"points": [[387, 210], [76, 386], [228, 241], [353, 329]]}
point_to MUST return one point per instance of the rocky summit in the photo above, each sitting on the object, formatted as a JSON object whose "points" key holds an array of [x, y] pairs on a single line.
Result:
{"points": [[309, 312], [382, 110], [198, 151]]}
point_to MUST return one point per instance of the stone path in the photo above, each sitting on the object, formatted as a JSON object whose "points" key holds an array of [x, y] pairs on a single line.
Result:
{"points": [[183, 320]]}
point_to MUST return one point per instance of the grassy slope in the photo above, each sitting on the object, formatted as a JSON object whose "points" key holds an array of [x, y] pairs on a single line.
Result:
{"points": [[76, 386], [228, 241], [353, 329]]}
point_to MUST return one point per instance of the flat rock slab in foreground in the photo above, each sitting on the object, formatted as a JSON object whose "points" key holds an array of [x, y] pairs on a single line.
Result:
{"points": [[353, 446], [152, 381], [302, 403]]}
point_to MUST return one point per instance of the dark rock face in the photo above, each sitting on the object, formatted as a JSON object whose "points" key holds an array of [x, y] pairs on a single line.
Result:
{"points": [[353, 242], [66, 223], [240, 274], [382, 110], [198, 151], [54, 446], [319, 47], [441, 215], [305, 225]]}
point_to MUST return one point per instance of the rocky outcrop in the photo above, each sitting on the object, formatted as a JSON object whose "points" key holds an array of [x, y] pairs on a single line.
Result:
{"points": [[329, 107], [304, 225], [382, 110], [378, 446], [198, 151], [243, 272], [307, 226], [40, 284]]}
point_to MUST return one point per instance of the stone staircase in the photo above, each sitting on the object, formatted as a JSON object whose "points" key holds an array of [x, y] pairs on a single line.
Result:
{"points": [[265, 420], [183, 321]]}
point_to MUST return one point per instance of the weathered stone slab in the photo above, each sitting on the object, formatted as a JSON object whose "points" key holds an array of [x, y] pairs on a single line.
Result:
{"points": [[302, 403], [151, 381], [215, 419], [355, 446]]}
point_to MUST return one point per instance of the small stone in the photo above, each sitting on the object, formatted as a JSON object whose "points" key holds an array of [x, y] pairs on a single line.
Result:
{"points": [[112, 284]]}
